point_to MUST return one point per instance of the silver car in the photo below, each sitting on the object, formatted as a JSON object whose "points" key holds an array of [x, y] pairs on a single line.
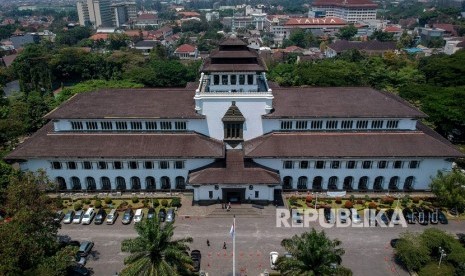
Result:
{"points": [[170, 215], [69, 217], [78, 217]]}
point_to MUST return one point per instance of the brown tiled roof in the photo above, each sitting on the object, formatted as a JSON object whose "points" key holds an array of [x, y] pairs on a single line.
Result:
{"points": [[349, 144], [346, 3], [129, 103], [235, 171], [232, 54], [48, 144], [231, 40], [339, 102], [8, 60], [185, 48]]}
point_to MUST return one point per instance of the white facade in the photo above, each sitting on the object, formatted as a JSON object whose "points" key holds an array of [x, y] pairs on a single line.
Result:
{"points": [[351, 15]]}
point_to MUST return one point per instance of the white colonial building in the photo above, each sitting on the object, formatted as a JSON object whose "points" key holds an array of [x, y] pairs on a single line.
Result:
{"points": [[235, 136]]}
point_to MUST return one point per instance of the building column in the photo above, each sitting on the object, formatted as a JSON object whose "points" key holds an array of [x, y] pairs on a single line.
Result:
{"points": [[229, 79], [255, 79]]}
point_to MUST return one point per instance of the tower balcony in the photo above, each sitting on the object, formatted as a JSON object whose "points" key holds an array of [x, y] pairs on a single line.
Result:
{"points": [[232, 84]]}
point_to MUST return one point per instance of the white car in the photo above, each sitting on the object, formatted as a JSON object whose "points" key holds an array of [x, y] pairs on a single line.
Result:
{"points": [[88, 216], [138, 216], [273, 259], [356, 218]]}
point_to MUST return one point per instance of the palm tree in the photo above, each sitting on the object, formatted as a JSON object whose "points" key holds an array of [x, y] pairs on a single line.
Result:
{"points": [[154, 252], [312, 254]]}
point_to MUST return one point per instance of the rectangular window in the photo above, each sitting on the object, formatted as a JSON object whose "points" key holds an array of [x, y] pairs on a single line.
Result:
{"points": [[165, 125], [331, 124], [233, 131], [180, 125], [304, 165], [335, 164], [102, 165], [382, 164], [241, 79], [136, 125], [91, 125], [148, 165], [288, 164], [216, 79], [320, 165], [150, 125], [179, 165], [250, 79], [121, 125], [224, 79], [56, 165], [76, 126], [351, 164], [87, 165], [106, 125], [366, 164], [117, 165], [347, 124], [398, 164], [286, 124], [71, 165], [257, 194], [210, 194], [164, 165], [414, 164], [316, 125], [133, 165], [301, 124], [377, 124], [233, 79], [362, 124], [392, 124]]}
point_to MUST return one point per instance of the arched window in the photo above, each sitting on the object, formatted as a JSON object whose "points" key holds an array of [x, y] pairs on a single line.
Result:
{"points": [[135, 183], [165, 183], [378, 185], [180, 183], [302, 183], [90, 183], [106, 184], [150, 183], [76, 183], [61, 183], [332, 184], [317, 183], [363, 183], [287, 183], [408, 184], [120, 184], [348, 183], [394, 183]]}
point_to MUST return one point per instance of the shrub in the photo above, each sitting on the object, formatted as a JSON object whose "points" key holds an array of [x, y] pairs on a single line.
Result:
{"points": [[329, 201], [145, 201], [309, 198], [338, 200], [416, 200], [348, 204], [367, 198], [123, 204], [372, 205], [164, 202], [293, 200], [359, 201], [176, 202], [77, 206], [352, 198], [86, 201], [387, 200], [135, 199], [108, 200], [156, 203], [58, 203], [98, 204]]}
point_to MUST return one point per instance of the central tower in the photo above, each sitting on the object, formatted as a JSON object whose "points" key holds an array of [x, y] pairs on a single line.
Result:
{"points": [[233, 77]]}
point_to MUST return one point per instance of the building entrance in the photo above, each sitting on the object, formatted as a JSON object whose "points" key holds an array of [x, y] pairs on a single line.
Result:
{"points": [[234, 195]]}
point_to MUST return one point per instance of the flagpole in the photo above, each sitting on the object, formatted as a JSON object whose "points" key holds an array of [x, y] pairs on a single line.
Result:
{"points": [[234, 247]]}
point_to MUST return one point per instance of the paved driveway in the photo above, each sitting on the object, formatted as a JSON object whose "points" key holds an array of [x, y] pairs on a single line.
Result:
{"points": [[367, 249]]}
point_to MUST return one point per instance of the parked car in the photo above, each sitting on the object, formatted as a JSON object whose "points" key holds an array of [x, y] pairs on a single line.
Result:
{"points": [[297, 217], [433, 218], [342, 215], [139, 215], [112, 216], [408, 215], [162, 215], [273, 259], [356, 218], [69, 217], [78, 217], [59, 215], [100, 216], [442, 218], [127, 216], [81, 261], [64, 240], [423, 217], [88, 216], [384, 219], [78, 270], [329, 215], [170, 215], [85, 248], [151, 213], [196, 258]]}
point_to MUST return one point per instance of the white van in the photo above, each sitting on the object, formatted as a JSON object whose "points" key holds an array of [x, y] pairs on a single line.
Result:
{"points": [[138, 216], [111, 218], [88, 216]]}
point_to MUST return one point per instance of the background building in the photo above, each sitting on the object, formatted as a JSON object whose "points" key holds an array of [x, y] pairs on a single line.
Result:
{"points": [[349, 10], [123, 12], [94, 12]]}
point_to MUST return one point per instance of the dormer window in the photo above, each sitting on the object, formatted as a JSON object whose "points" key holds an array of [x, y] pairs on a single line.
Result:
{"points": [[233, 122]]}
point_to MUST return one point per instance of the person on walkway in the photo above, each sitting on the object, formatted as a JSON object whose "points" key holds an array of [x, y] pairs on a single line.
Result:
{"points": [[208, 243], [224, 245]]}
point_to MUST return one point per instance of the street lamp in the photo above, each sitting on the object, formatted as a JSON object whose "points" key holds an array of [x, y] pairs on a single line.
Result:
{"points": [[443, 254], [316, 198]]}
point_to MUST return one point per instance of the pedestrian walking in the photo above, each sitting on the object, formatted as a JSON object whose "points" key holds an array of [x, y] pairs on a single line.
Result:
{"points": [[224, 245]]}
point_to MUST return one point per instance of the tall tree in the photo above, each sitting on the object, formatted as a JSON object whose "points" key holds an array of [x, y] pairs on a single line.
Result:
{"points": [[312, 254], [347, 32], [154, 252], [449, 188]]}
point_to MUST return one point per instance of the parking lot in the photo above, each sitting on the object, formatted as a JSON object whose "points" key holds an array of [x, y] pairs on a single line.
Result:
{"points": [[367, 249]]}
